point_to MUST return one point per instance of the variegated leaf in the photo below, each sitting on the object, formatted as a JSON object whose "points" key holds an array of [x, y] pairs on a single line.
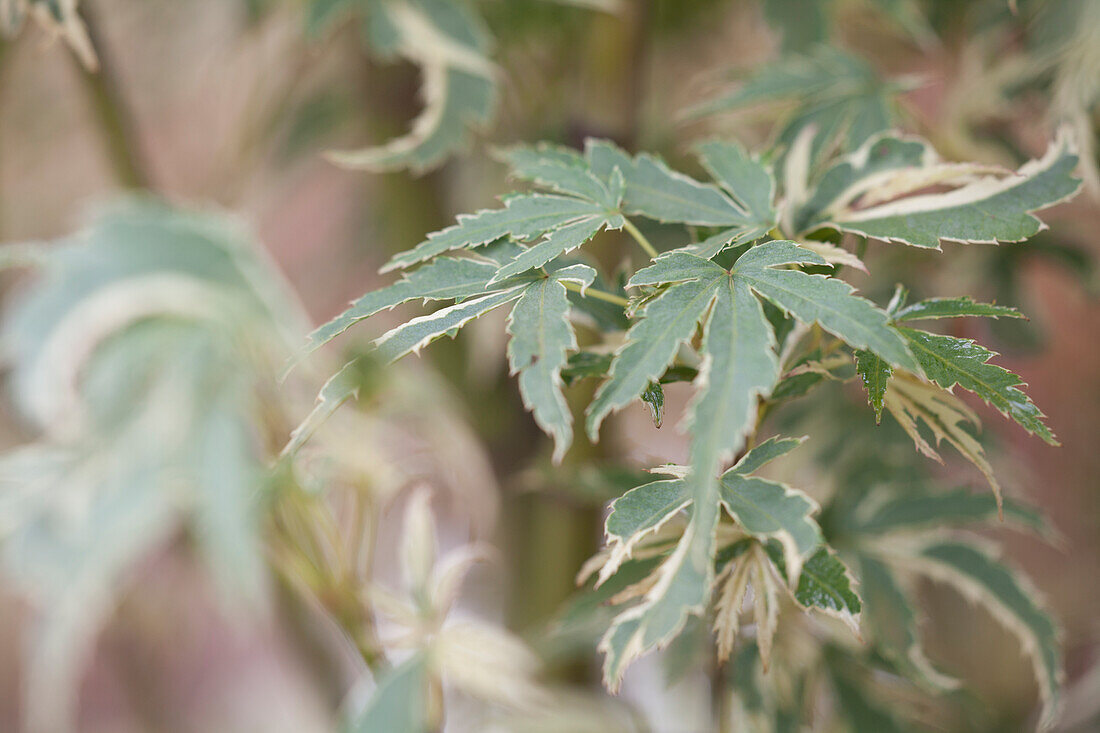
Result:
{"points": [[1011, 600], [948, 361], [987, 209], [459, 88]]}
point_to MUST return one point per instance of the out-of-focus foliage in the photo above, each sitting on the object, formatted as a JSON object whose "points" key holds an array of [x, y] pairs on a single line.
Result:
{"points": [[450, 44], [58, 18], [140, 353]]}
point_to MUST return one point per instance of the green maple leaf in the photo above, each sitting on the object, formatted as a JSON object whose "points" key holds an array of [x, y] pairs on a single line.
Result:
{"points": [[542, 334], [740, 202], [670, 319], [948, 361], [764, 509]]}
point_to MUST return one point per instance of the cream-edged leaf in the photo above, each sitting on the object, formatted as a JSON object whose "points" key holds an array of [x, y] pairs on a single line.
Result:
{"points": [[542, 335], [420, 331], [639, 513], [1011, 600], [918, 513], [445, 278], [891, 624], [825, 585], [990, 209], [953, 308], [459, 85], [523, 217], [948, 361]]}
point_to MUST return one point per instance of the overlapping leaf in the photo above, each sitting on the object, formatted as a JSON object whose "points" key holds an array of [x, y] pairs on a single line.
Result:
{"points": [[542, 334], [763, 509], [740, 205], [670, 319], [911, 400], [560, 222], [948, 361], [751, 568], [824, 585]]}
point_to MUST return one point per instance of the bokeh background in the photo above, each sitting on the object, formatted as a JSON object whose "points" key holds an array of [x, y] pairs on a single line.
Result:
{"points": [[228, 104]]}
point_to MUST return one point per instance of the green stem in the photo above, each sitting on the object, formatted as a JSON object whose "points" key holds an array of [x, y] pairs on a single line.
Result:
{"points": [[597, 294], [639, 238], [116, 123]]}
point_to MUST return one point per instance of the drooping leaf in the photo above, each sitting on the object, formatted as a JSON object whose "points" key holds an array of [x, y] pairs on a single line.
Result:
{"points": [[654, 397], [948, 361], [1011, 600], [985, 208], [751, 567], [459, 85], [875, 374], [891, 623], [909, 399], [541, 337]]}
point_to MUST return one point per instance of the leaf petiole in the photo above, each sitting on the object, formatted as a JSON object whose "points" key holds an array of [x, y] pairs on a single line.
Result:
{"points": [[640, 238], [593, 293]]}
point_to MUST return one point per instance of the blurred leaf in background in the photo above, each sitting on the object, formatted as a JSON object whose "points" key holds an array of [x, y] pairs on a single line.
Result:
{"points": [[141, 353]]}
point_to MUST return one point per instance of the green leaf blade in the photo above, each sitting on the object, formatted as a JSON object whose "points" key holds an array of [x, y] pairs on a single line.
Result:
{"points": [[979, 576], [954, 308], [666, 321], [443, 279], [523, 217], [948, 361], [541, 337], [875, 375], [419, 332]]}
